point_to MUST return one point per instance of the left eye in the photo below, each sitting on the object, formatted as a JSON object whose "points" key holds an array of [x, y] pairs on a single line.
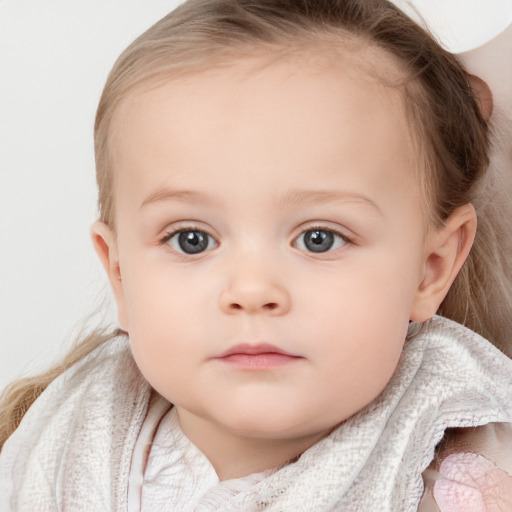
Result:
{"points": [[320, 240]]}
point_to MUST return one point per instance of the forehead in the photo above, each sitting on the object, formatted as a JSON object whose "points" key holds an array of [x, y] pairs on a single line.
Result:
{"points": [[301, 114]]}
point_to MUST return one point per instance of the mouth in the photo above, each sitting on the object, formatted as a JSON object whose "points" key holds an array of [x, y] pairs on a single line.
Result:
{"points": [[262, 356]]}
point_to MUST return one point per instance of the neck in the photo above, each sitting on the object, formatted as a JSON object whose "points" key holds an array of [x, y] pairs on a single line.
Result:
{"points": [[234, 455]]}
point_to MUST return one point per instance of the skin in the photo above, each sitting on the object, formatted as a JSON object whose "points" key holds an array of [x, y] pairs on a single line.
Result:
{"points": [[258, 147]]}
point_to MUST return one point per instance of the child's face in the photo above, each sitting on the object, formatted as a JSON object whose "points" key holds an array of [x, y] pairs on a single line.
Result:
{"points": [[294, 187]]}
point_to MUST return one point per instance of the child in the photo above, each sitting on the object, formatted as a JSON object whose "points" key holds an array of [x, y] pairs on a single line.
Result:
{"points": [[285, 194]]}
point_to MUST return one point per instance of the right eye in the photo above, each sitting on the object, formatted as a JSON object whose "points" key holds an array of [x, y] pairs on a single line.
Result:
{"points": [[189, 241]]}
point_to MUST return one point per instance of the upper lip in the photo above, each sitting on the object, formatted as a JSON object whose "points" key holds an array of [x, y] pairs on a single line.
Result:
{"points": [[253, 349]]}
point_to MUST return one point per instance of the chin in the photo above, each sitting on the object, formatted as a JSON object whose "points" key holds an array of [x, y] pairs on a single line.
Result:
{"points": [[269, 424]]}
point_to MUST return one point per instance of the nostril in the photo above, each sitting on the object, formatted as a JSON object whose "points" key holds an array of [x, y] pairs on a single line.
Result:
{"points": [[270, 306]]}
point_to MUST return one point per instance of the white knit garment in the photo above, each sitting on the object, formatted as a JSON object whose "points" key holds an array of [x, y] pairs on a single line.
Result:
{"points": [[175, 474], [73, 449]]}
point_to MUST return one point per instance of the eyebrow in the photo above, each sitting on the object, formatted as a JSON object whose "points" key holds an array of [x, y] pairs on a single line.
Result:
{"points": [[305, 197], [292, 197], [166, 194]]}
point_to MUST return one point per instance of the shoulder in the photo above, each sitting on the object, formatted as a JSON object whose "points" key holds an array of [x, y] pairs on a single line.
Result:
{"points": [[440, 331], [473, 468], [97, 379], [475, 457], [492, 442], [82, 380], [81, 426], [455, 351]]}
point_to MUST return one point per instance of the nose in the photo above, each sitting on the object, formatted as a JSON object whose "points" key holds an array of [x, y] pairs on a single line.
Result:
{"points": [[254, 291]]}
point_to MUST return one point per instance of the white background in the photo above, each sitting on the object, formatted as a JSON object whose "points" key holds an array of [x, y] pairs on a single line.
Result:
{"points": [[54, 59]]}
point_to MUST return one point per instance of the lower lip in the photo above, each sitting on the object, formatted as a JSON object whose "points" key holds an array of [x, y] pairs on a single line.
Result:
{"points": [[263, 361]]}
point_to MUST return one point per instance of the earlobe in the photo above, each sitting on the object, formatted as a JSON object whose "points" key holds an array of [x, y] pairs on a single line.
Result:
{"points": [[105, 245], [447, 251]]}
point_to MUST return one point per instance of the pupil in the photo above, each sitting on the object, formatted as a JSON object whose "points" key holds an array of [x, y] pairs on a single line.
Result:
{"points": [[193, 242], [319, 241]]}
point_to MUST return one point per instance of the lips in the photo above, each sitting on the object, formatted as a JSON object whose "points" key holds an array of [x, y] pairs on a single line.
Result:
{"points": [[261, 356], [260, 348]]}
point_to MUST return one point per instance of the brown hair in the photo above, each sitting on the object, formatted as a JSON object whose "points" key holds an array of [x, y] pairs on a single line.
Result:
{"points": [[447, 127]]}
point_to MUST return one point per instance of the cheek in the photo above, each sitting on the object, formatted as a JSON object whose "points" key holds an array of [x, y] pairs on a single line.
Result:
{"points": [[161, 325], [362, 304], [358, 333], [157, 296]]}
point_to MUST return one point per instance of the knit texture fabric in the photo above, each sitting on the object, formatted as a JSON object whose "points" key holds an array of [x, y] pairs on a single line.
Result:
{"points": [[72, 450]]}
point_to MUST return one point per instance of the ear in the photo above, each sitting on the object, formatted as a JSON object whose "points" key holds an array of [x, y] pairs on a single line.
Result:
{"points": [[105, 246], [447, 250], [483, 95]]}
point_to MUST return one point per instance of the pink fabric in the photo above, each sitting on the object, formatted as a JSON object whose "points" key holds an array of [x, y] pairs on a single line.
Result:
{"points": [[472, 483], [472, 471]]}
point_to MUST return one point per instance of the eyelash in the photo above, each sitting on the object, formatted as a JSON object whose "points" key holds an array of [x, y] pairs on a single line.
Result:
{"points": [[170, 234], [321, 227], [182, 229]]}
